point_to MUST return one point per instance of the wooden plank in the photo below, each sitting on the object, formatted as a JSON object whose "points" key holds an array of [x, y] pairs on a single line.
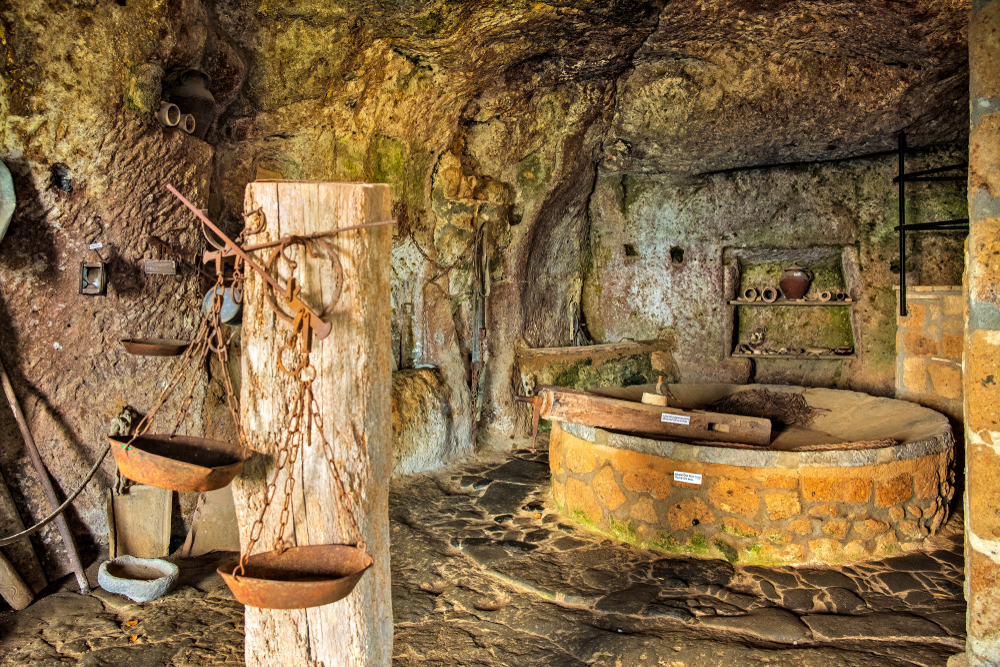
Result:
{"points": [[12, 587], [793, 357], [581, 407], [213, 526], [20, 554], [142, 522], [586, 349], [352, 389]]}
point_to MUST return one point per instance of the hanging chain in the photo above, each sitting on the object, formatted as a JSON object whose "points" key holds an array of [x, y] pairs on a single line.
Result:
{"points": [[208, 338], [304, 415]]}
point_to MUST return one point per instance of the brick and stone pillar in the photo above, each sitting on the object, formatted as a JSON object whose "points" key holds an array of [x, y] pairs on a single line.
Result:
{"points": [[982, 341]]}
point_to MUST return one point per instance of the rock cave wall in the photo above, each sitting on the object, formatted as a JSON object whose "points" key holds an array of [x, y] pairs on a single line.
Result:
{"points": [[506, 132]]}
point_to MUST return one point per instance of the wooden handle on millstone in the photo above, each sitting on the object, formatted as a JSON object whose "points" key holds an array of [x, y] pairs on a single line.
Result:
{"points": [[12, 587], [581, 407]]}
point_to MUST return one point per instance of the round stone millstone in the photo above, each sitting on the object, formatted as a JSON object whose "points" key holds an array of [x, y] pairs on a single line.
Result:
{"points": [[847, 478], [139, 579]]}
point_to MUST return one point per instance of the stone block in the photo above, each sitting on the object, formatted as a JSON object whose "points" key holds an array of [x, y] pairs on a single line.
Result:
{"points": [[930, 510], [647, 480], [926, 484], [737, 527], [826, 510], [559, 492], [911, 530], [946, 380], [952, 345], [781, 482], [913, 510], [803, 526], [984, 173], [782, 505], [837, 529], [983, 245], [856, 550], [984, 600], [580, 497], [841, 489], [557, 451], [422, 424], [870, 527], [688, 513], [826, 550], [915, 315], [954, 305], [644, 510], [887, 545], [981, 368], [785, 553], [580, 459], [607, 488], [916, 344], [896, 514], [893, 491], [737, 497], [915, 375], [778, 538], [982, 482]]}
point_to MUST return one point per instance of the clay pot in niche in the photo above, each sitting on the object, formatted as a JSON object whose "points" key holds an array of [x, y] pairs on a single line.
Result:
{"points": [[192, 96], [794, 282]]}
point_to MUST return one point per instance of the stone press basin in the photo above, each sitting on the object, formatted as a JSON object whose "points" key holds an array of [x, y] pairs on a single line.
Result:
{"points": [[848, 477]]}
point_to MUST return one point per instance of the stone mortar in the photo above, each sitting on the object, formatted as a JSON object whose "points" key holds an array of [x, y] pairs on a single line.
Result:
{"points": [[130, 577]]}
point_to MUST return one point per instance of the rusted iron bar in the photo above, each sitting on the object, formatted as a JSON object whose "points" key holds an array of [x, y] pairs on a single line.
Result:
{"points": [[321, 328], [286, 239], [211, 255]]}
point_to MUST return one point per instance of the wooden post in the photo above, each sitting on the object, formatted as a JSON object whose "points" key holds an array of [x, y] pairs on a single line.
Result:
{"points": [[352, 388]]}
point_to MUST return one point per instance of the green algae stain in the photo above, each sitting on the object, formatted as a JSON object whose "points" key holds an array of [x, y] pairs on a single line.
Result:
{"points": [[727, 550]]}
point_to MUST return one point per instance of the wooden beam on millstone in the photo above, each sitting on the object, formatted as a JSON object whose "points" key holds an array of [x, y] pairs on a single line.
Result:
{"points": [[613, 414], [352, 388]]}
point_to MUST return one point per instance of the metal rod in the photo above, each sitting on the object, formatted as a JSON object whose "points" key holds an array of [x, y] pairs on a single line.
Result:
{"points": [[902, 223], [938, 178], [957, 223], [936, 170], [285, 239], [230, 244], [47, 489]]}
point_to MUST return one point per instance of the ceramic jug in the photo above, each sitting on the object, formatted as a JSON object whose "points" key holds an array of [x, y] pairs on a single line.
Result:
{"points": [[192, 96], [794, 282]]}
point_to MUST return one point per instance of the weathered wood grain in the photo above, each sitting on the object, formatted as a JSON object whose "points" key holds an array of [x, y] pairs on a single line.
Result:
{"points": [[581, 407], [353, 389]]}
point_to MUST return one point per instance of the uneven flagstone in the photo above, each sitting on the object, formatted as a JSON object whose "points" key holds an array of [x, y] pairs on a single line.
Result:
{"points": [[485, 572]]}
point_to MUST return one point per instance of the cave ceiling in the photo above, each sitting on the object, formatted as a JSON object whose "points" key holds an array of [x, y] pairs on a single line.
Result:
{"points": [[697, 86]]}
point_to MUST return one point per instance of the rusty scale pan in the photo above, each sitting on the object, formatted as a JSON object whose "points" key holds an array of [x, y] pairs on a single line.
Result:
{"points": [[298, 578], [155, 347], [179, 462]]}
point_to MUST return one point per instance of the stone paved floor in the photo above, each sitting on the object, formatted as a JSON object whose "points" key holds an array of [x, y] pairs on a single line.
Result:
{"points": [[485, 574]]}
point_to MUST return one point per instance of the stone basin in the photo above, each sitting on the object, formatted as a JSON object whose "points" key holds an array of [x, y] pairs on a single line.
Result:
{"points": [[848, 477]]}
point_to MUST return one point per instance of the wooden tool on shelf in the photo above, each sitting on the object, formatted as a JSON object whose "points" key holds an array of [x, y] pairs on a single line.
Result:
{"points": [[581, 407]]}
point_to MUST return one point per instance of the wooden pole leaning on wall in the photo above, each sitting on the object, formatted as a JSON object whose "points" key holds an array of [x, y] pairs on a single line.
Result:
{"points": [[352, 389]]}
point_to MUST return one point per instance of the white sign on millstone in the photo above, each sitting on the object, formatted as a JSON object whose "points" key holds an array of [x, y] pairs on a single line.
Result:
{"points": [[689, 477], [671, 418]]}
